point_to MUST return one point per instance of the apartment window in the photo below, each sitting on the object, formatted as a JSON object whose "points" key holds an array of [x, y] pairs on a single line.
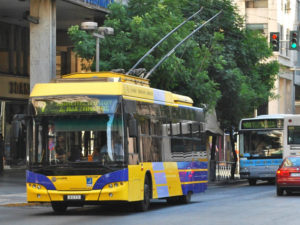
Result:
{"points": [[287, 6], [287, 45], [281, 46], [284, 43], [257, 4], [297, 92], [262, 27]]}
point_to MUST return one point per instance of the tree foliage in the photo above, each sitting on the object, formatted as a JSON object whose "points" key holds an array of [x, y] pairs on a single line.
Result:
{"points": [[224, 65], [84, 45]]}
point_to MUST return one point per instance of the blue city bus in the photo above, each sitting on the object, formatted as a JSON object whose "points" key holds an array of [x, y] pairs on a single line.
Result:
{"points": [[261, 144]]}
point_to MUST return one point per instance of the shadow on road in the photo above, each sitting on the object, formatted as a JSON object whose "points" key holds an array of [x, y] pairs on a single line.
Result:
{"points": [[111, 210]]}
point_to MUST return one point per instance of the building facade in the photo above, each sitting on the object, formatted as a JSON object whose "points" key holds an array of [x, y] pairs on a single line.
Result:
{"points": [[34, 47], [277, 16]]}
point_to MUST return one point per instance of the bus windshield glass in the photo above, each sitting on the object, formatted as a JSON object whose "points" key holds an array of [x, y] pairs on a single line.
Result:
{"points": [[263, 144], [71, 136], [293, 135]]}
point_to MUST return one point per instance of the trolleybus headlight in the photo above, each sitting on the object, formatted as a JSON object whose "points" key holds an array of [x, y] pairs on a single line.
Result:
{"points": [[110, 194], [116, 185], [38, 187], [38, 195], [110, 185], [34, 186]]}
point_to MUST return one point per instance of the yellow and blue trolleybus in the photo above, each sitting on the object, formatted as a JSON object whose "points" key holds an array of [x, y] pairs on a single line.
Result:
{"points": [[108, 137]]}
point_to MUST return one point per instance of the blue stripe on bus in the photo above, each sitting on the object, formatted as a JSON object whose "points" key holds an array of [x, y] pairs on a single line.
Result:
{"points": [[189, 176], [191, 165], [160, 178], [162, 191], [159, 95], [159, 103], [260, 162], [117, 176], [36, 178], [195, 188], [158, 166]]}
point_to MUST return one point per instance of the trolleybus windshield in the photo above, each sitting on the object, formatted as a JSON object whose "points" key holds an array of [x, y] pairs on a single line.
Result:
{"points": [[81, 131]]}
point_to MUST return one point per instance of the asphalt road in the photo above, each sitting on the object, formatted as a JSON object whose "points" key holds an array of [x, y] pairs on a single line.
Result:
{"points": [[237, 204]]}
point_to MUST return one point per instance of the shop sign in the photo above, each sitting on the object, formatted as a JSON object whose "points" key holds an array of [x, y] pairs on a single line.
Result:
{"points": [[14, 87]]}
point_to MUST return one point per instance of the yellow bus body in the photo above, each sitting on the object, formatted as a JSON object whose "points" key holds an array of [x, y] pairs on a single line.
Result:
{"points": [[165, 178]]}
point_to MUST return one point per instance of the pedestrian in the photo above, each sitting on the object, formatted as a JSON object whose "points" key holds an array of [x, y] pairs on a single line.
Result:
{"points": [[1, 154], [60, 149]]}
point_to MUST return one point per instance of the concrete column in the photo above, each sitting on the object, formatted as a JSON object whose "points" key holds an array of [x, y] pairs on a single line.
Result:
{"points": [[42, 42], [19, 49], [11, 51], [26, 53]]}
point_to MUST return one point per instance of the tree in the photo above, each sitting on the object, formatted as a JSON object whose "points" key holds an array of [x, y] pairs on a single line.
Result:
{"points": [[84, 46], [224, 65], [246, 76], [142, 24]]}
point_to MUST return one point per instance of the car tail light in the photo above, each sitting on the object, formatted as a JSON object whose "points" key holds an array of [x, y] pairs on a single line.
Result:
{"points": [[283, 173]]}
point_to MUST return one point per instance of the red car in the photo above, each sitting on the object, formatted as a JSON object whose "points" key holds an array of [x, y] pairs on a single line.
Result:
{"points": [[288, 175]]}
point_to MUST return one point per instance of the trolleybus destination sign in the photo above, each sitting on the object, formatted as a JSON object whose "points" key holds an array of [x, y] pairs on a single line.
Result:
{"points": [[72, 105], [262, 124]]}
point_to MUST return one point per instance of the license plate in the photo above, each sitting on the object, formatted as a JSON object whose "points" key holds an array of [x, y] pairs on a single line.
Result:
{"points": [[295, 174], [73, 197], [266, 175]]}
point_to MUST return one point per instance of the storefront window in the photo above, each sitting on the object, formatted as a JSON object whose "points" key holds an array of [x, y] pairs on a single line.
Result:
{"points": [[15, 139]]}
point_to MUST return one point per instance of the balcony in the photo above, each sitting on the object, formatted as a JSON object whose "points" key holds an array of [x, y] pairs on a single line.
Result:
{"points": [[100, 3]]}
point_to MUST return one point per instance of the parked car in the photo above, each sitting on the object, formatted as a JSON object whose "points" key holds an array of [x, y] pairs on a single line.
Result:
{"points": [[288, 175]]}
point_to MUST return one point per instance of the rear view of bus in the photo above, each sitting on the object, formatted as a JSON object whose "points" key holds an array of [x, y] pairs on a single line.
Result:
{"points": [[261, 141]]}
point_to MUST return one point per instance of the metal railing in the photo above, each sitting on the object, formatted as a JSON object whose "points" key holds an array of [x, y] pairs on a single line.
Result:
{"points": [[223, 170]]}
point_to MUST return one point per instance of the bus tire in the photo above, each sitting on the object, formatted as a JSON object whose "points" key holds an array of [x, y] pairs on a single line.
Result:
{"points": [[143, 205], [59, 208], [185, 199], [252, 182], [172, 200]]}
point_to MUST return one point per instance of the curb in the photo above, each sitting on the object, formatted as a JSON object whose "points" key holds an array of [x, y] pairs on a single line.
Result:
{"points": [[227, 182], [20, 204], [23, 204]]}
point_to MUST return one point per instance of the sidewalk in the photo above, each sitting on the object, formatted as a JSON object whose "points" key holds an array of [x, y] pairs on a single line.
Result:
{"points": [[13, 187]]}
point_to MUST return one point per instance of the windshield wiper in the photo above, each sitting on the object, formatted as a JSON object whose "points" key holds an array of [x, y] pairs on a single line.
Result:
{"points": [[107, 165]]}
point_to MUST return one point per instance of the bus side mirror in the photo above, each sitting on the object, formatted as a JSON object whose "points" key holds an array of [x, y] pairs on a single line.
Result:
{"points": [[132, 128]]}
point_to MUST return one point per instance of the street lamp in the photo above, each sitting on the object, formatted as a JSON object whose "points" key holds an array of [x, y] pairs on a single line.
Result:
{"points": [[98, 32]]}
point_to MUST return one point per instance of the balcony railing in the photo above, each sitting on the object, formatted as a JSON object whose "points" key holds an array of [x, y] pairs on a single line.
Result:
{"points": [[101, 3]]}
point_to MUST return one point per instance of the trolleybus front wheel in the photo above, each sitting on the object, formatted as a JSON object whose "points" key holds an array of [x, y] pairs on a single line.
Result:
{"points": [[143, 205], [59, 208]]}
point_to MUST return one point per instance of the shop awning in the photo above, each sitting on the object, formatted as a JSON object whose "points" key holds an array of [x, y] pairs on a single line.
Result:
{"points": [[212, 125]]}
